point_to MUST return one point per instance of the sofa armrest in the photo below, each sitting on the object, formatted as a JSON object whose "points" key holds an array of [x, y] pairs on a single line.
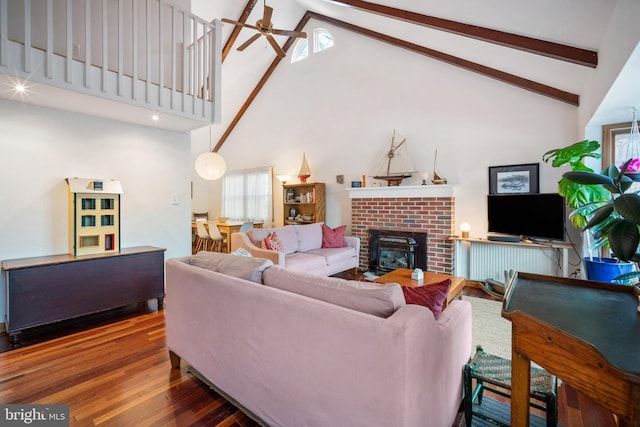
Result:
{"points": [[242, 240], [353, 242]]}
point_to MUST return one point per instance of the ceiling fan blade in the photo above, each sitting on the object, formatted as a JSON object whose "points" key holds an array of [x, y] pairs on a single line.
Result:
{"points": [[275, 46], [246, 44], [239, 24], [266, 18], [289, 33]]}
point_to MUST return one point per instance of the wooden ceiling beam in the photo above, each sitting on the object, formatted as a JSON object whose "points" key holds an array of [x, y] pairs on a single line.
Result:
{"points": [[248, 8], [520, 82], [260, 84], [562, 52]]}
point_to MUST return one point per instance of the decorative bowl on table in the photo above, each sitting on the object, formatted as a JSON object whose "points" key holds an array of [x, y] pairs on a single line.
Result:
{"points": [[222, 219]]}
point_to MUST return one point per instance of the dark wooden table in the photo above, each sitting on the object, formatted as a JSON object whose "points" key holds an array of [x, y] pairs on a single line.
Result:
{"points": [[586, 333], [48, 289]]}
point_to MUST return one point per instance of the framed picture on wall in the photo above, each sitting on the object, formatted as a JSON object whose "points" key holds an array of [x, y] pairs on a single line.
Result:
{"points": [[514, 179]]}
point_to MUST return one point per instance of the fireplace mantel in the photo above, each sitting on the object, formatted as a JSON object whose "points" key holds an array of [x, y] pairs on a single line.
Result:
{"points": [[431, 190]]}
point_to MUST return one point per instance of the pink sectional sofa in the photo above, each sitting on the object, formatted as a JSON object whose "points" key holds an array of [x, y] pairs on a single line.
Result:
{"points": [[296, 349], [303, 249]]}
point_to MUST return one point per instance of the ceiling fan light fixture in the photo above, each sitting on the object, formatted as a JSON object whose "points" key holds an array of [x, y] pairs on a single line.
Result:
{"points": [[264, 27]]}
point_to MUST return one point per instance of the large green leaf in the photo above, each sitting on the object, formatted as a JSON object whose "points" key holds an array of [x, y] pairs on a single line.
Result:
{"points": [[600, 215], [628, 278], [623, 240], [628, 206], [572, 154], [588, 178]]}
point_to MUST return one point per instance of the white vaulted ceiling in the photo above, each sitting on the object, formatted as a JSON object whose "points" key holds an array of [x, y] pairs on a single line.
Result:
{"points": [[576, 23]]}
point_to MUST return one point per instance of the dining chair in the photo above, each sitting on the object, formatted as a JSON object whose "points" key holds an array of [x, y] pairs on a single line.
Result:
{"points": [[204, 241], [246, 226], [218, 242]]}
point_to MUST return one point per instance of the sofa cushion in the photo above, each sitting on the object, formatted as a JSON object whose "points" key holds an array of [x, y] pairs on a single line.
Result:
{"points": [[432, 296], [305, 261], [248, 268], [334, 255], [286, 234], [272, 242], [207, 260], [377, 299], [244, 267], [309, 236], [333, 237]]}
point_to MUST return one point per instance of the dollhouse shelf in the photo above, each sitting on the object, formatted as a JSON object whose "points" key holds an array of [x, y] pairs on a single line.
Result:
{"points": [[49, 289]]}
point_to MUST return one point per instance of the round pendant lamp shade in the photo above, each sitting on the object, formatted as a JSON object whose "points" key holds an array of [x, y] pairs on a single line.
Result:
{"points": [[210, 166]]}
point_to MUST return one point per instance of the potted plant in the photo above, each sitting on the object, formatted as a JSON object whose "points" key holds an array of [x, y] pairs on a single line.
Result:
{"points": [[616, 221], [585, 198]]}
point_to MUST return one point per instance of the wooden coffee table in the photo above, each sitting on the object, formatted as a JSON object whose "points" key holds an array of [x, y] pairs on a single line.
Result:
{"points": [[402, 276]]}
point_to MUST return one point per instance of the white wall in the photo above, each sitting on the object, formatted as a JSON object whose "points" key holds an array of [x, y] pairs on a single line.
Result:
{"points": [[340, 107], [40, 147]]}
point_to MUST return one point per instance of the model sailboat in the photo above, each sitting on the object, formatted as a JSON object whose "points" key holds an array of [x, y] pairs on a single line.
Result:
{"points": [[305, 170], [437, 179], [395, 165]]}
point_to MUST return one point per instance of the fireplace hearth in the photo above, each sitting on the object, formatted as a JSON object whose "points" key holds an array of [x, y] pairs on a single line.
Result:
{"points": [[391, 249]]}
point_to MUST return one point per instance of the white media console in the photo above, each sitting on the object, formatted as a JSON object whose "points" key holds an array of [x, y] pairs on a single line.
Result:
{"points": [[481, 259]]}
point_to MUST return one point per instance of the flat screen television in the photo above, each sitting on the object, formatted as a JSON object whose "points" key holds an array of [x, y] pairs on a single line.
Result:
{"points": [[536, 216]]}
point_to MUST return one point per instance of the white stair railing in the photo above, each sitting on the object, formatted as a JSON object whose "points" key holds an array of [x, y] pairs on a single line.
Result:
{"points": [[143, 52]]}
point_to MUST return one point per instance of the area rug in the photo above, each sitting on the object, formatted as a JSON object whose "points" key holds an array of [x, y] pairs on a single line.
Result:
{"points": [[489, 328]]}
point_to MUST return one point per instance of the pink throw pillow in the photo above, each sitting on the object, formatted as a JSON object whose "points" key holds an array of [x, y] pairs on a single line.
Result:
{"points": [[333, 237], [432, 296], [272, 242]]}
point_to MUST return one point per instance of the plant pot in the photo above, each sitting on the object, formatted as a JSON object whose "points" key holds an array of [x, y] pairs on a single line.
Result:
{"points": [[605, 269]]}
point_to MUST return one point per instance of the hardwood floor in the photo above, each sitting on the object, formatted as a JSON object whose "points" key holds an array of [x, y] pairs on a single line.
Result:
{"points": [[113, 369]]}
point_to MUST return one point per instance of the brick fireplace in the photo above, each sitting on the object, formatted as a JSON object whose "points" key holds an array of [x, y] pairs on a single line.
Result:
{"points": [[421, 208]]}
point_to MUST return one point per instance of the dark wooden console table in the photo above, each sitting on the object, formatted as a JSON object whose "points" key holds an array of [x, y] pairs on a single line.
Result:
{"points": [[586, 333], [44, 290]]}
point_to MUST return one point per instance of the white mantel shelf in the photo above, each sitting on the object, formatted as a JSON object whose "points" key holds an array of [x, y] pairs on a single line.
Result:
{"points": [[431, 190]]}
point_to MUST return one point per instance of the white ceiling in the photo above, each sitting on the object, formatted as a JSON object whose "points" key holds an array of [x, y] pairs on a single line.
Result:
{"points": [[579, 23]]}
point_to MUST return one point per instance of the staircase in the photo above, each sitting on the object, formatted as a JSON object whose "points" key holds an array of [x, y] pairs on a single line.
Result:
{"points": [[148, 54]]}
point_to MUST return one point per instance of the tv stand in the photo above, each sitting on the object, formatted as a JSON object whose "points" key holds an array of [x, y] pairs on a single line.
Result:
{"points": [[503, 238]]}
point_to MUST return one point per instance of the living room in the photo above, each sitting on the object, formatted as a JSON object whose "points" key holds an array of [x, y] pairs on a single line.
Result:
{"points": [[339, 107]]}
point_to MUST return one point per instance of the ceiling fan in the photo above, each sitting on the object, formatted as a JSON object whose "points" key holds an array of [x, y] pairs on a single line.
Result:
{"points": [[265, 28]]}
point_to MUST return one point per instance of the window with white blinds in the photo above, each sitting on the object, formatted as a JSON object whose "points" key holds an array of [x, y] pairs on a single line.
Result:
{"points": [[247, 195]]}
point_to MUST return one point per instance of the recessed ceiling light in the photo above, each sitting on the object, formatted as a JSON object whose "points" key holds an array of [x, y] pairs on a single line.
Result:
{"points": [[155, 117], [19, 87]]}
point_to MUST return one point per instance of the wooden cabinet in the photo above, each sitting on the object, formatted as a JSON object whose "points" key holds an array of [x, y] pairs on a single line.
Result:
{"points": [[303, 203], [49, 289]]}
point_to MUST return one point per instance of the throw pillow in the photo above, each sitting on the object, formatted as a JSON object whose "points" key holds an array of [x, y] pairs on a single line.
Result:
{"points": [[241, 252], [432, 296], [333, 237], [273, 243]]}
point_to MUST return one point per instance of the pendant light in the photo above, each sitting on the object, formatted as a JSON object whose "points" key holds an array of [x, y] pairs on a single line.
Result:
{"points": [[210, 165]]}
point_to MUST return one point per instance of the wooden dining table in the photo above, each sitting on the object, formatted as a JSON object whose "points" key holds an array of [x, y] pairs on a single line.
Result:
{"points": [[227, 227]]}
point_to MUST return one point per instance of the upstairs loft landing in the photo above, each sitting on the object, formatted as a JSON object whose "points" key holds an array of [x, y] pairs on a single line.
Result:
{"points": [[77, 69]]}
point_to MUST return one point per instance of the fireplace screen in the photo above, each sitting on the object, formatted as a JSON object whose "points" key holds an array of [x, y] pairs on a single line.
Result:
{"points": [[391, 249], [395, 252]]}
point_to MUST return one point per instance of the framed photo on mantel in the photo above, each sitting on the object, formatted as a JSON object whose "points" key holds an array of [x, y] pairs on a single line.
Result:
{"points": [[514, 179]]}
